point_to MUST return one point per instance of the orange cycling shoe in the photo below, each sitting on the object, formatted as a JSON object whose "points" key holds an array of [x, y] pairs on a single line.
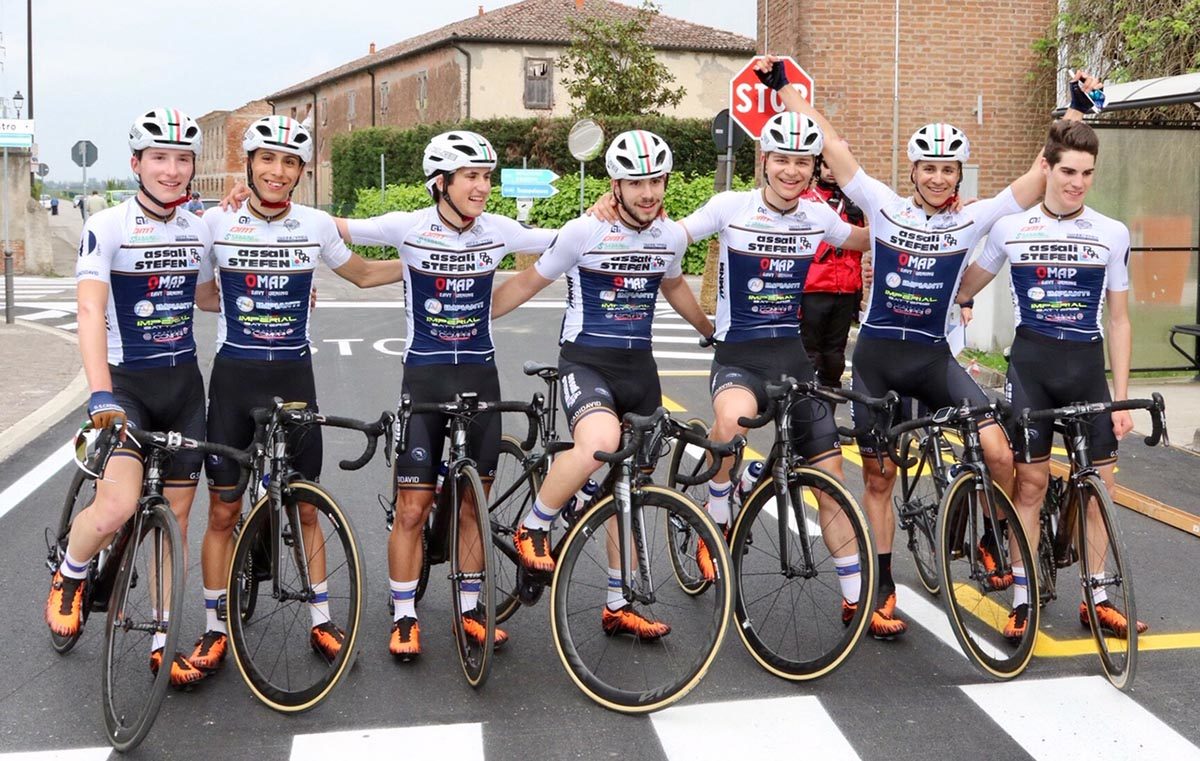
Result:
{"points": [[849, 610], [884, 624], [704, 557], [326, 640], [1112, 620], [986, 556], [405, 643], [210, 651], [475, 628], [64, 606], [1018, 621], [626, 620], [533, 549], [183, 672]]}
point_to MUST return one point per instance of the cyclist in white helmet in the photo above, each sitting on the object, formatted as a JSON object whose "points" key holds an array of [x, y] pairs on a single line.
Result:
{"points": [[259, 275], [450, 251], [920, 247], [136, 275], [614, 273]]}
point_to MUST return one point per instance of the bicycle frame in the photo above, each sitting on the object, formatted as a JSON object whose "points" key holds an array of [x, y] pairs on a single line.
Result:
{"points": [[973, 461]]}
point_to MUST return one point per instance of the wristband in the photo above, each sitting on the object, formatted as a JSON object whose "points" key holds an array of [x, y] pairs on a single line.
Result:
{"points": [[1086, 103], [776, 78], [968, 304], [102, 401]]}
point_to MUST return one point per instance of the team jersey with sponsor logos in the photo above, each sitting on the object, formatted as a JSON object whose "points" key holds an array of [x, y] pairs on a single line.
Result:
{"points": [[266, 276], [765, 257], [613, 275], [150, 267], [918, 259], [1061, 269], [448, 278]]}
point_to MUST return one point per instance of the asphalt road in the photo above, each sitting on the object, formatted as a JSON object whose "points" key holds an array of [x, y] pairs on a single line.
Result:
{"points": [[916, 696]]}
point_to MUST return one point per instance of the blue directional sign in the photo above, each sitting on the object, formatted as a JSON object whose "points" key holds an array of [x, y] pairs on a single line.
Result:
{"points": [[527, 183], [16, 133]]}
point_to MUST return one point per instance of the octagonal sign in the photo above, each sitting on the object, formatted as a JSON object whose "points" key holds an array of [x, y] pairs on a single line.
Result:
{"points": [[751, 103]]}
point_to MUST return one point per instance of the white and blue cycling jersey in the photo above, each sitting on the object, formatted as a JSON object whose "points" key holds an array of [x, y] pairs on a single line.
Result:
{"points": [[918, 259], [613, 275], [448, 278], [150, 267], [764, 260], [1061, 269], [266, 275]]}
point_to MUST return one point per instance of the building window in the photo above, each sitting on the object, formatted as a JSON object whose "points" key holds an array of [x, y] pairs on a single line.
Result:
{"points": [[350, 98], [422, 90], [539, 83], [293, 112], [383, 97], [323, 107]]}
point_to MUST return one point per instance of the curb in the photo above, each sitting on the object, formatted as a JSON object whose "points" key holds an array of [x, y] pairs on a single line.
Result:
{"points": [[35, 423]]}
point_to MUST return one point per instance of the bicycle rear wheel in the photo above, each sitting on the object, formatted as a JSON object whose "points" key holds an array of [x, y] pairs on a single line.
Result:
{"points": [[1106, 577], [274, 649], [920, 495], [978, 611], [512, 495], [623, 672], [147, 599], [471, 577], [790, 611], [80, 493], [689, 460]]}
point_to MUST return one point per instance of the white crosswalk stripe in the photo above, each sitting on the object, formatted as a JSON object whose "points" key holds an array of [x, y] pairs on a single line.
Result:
{"points": [[465, 741]]}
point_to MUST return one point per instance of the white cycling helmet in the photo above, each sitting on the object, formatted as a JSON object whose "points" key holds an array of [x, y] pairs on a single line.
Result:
{"points": [[455, 150], [792, 133], [939, 142], [638, 155], [279, 133], [165, 128]]}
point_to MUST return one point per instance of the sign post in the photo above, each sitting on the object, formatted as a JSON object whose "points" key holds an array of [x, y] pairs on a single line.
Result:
{"points": [[751, 103], [585, 141], [84, 154], [727, 140], [14, 133]]}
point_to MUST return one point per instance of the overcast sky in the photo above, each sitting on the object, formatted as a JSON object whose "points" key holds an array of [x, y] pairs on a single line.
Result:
{"points": [[98, 64]]}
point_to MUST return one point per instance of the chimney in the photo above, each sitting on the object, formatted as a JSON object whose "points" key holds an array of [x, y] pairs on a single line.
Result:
{"points": [[578, 5], [372, 49], [481, 10]]}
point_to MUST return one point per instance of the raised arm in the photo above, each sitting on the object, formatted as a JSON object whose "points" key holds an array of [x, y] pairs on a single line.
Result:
{"points": [[836, 154], [1031, 186]]}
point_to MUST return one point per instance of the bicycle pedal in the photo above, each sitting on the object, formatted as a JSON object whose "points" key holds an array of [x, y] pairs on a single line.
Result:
{"points": [[222, 608], [530, 585]]}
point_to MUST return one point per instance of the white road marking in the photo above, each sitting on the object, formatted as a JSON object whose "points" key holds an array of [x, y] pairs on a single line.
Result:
{"points": [[29, 483], [73, 754], [48, 314], [463, 742]]}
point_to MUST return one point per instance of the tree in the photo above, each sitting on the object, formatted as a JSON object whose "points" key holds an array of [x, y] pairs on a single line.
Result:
{"points": [[613, 71], [1122, 40]]}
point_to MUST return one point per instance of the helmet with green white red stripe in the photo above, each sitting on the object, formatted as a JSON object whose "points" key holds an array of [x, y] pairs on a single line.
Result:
{"points": [[457, 149], [792, 133], [638, 155], [279, 133], [165, 128], [939, 142]]}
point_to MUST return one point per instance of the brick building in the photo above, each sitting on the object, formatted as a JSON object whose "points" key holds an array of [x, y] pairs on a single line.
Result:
{"points": [[951, 55], [496, 64], [222, 161]]}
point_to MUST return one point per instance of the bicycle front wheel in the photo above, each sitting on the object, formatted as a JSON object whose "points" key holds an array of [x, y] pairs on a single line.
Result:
{"points": [[472, 591], [315, 577], [1107, 579], [512, 495], [611, 663], [146, 600], [791, 611], [689, 460], [979, 541], [920, 495], [80, 493]]}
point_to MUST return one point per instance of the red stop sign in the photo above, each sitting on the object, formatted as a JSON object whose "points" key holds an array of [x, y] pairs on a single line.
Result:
{"points": [[751, 103]]}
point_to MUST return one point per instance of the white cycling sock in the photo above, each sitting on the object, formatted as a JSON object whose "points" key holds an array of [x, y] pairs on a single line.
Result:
{"points": [[318, 609], [616, 600], [1020, 586], [540, 517], [404, 598], [1099, 592], [159, 640], [468, 594], [718, 502], [849, 572], [72, 568], [211, 622]]}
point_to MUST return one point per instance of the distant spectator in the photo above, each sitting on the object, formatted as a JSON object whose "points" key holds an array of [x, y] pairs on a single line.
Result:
{"points": [[194, 205], [95, 202]]}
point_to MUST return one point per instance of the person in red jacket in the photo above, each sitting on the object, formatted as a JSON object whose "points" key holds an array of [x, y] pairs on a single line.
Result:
{"points": [[833, 289]]}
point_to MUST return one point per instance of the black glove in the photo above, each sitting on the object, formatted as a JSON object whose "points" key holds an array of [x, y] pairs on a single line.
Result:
{"points": [[1086, 103], [776, 78]]}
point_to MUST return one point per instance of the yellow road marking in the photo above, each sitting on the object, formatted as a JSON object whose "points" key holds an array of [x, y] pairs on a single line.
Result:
{"points": [[672, 405]]}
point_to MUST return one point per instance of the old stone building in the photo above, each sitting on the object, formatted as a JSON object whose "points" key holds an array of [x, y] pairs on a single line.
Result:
{"points": [[221, 159], [499, 63]]}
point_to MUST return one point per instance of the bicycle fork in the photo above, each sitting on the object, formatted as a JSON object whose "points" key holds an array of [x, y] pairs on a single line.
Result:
{"points": [[631, 525]]}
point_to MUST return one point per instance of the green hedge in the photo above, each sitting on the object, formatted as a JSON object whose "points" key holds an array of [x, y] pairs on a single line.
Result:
{"points": [[542, 141], [683, 197]]}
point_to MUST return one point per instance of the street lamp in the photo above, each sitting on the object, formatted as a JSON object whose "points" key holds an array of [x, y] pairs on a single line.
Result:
{"points": [[18, 101]]}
